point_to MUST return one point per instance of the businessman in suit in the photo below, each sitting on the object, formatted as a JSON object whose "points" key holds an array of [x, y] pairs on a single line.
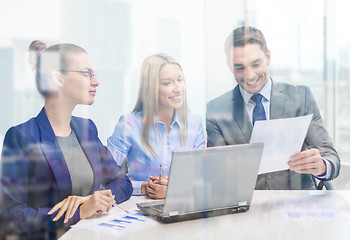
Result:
{"points": [[230, 117]]}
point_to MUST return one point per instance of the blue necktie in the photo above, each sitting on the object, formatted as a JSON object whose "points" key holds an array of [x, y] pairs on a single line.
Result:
{"points": [[258, 112]]}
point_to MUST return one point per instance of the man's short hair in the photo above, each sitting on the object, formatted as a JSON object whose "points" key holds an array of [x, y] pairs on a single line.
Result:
{"points": [[242, 36]]}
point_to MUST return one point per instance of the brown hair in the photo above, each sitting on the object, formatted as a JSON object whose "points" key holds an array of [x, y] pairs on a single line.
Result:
{"points": [[242, 36], [44, 60]]}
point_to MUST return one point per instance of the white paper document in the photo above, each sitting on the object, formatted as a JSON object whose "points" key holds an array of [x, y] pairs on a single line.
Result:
{"points": [[117, 224], [282, 138], [314, 208]]}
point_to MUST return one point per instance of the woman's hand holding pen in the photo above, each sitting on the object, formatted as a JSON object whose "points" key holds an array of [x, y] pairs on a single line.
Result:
{"points": [[68, 206], [162, 181], [156, 187], [98, 202]]}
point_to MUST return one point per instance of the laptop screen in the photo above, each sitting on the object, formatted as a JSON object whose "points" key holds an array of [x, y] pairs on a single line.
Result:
{"points": [[212, 178]]}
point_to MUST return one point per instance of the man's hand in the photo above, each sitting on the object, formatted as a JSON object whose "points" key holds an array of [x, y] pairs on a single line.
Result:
{"points": [[308, 161]]}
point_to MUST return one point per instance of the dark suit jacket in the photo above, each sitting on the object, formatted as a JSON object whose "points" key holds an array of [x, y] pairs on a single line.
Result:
{"points": [[228, 123], [35, 176]]}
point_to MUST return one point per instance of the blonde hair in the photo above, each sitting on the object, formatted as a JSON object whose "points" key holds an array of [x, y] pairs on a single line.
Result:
{"points": [[147, 100]]}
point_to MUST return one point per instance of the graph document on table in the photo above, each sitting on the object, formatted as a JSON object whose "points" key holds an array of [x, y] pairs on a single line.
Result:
{"points": [[117, 224]]}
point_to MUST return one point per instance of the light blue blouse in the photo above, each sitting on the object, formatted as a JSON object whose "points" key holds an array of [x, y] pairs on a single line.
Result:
{"points": [[126, 143]]}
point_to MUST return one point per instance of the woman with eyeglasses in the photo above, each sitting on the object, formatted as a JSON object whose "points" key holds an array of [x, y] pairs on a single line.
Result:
{"points": [[159, 124], [55, 170]]}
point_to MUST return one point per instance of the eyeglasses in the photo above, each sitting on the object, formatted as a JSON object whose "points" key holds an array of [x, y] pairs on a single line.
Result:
{"points": [[89, 74]]}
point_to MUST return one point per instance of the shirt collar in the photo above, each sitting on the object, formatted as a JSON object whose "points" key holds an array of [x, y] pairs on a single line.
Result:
{"points": [[266, 92], [175, 120]]}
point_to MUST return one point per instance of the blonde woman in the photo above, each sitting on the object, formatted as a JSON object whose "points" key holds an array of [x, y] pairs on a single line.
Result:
{"points": [[159, 124]]}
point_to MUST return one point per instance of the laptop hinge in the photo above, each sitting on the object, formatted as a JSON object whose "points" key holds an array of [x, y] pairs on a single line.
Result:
{"points": [[242, 203], [174, 213]]}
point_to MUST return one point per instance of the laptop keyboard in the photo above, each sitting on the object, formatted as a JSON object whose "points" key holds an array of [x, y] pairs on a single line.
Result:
{"points": [[158, 208]]}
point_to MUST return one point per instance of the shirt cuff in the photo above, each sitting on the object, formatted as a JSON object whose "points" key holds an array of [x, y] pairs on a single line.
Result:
{"points": [[137, 188], [328, 173]]}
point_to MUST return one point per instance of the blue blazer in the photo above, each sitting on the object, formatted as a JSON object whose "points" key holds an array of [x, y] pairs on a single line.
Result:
{"points": [[35, 176]]}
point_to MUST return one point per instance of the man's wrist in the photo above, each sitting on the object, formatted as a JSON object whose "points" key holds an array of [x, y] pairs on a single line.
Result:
{"points": [[327, 172]]}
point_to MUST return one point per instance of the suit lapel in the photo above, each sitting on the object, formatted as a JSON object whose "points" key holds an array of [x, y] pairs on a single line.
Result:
{"points": [[54, 156], [278, 101], [89, 145], [277, 106], [240, 114]]}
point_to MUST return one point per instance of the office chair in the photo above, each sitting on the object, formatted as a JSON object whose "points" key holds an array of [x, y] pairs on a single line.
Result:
{"points": [[327, 184]]}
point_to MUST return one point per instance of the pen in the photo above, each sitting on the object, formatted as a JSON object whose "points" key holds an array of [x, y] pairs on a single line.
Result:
{"points": [[116, 205]]}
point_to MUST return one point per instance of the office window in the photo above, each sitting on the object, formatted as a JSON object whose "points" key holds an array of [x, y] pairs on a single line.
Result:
{"points": [[308, 40], [341, 70]]}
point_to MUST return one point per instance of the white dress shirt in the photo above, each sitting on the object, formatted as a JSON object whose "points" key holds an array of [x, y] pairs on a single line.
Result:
{"points": [[266, 93]]}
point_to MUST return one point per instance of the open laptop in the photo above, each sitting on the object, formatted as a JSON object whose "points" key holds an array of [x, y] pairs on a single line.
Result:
{"points": [[208, 182]]}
